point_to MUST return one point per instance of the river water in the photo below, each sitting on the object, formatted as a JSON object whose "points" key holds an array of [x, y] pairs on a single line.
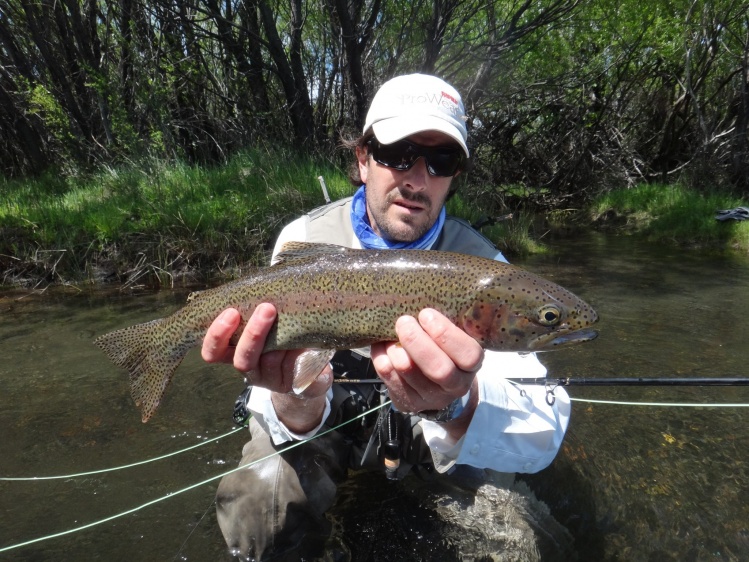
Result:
{"points": [[633, 482]]}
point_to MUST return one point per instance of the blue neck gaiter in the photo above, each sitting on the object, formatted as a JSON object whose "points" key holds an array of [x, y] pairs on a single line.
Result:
{"points": [[371, 241]]}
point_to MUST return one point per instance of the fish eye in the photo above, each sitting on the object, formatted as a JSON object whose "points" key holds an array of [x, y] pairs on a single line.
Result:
{"points": [[549, 315]]}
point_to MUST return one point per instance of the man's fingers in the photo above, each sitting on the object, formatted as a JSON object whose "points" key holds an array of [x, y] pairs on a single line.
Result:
{"points": [[252, 341], [410, 390], [462, 349], [433, 363], [216, 341], [423, 352]]}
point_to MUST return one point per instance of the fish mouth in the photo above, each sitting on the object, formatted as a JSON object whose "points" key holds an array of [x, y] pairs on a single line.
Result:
{"points": [[550, 341]]}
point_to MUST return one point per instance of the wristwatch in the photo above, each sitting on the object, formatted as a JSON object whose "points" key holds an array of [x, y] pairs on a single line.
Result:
{"points": [[453, 410]]}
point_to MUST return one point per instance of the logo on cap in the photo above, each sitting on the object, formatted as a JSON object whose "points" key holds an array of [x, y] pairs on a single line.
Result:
{"points": [[443, 100]]}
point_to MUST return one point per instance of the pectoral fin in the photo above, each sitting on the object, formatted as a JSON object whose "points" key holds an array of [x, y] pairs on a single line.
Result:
{"points": [[308, 367]]}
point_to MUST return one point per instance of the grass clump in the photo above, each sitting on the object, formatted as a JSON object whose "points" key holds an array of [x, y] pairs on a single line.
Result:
{"points": [[156, 221], [511, 232], [672, 213]]}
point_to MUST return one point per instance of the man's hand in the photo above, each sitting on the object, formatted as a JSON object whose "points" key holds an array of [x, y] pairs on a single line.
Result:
{"points": [[434, 363], [273, 370]]}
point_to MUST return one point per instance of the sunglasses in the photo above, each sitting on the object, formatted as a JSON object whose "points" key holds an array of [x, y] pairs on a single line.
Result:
{"points": [[443, 161]]}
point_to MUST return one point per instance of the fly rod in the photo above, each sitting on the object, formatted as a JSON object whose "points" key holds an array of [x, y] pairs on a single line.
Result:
{"points": [[635, 381], [617, 381]]}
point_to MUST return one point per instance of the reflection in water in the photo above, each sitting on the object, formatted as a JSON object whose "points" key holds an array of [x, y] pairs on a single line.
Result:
{"points": [[632, 483]]}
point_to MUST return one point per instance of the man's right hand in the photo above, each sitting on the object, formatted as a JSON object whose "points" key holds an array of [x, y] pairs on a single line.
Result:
{"points": [[273, 370]]}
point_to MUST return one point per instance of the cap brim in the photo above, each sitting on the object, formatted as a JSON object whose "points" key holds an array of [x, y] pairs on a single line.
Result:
{"points": [[394, 129]]}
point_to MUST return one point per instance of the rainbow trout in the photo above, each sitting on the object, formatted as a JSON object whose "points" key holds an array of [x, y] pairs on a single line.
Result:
{"points": [[330, 297]]}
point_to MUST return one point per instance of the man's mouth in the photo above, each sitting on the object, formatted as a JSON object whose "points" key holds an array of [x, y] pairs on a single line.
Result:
{"points": [[408, 205]]}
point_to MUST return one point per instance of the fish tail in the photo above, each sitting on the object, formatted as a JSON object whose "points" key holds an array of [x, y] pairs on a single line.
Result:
{"points": [[150, 360]]}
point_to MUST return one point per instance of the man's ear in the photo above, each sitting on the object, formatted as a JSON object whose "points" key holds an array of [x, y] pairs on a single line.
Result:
{"points": [[362, 156]]}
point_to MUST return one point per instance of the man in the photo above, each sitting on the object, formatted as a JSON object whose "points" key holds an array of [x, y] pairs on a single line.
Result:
{"points": [[451, 404]]}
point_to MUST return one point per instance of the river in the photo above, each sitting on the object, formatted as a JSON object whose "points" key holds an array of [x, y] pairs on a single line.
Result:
{"points": [[633, 482]]}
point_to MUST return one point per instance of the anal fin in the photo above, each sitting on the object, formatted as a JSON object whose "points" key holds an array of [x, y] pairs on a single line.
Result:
{"points": [[308, 367]]}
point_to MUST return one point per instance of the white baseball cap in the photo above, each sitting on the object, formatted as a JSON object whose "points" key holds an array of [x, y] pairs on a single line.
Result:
{"points": [[413, 103]]}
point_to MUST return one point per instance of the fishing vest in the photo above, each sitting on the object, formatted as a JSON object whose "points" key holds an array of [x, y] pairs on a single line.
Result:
{"points": [[331, 224], [374, 437]]}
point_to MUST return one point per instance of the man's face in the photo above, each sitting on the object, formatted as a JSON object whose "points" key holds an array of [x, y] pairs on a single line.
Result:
{"points": [[403, 205]]}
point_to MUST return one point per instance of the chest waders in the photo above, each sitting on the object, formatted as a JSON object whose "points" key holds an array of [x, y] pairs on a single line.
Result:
{"points": [[393, 439]]}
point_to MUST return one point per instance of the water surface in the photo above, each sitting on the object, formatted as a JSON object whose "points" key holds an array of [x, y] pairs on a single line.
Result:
{"points": [[631, 483], [642, 482]]}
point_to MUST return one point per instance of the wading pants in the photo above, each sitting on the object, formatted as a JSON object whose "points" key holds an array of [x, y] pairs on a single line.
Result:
{"points": [[278, 504]]}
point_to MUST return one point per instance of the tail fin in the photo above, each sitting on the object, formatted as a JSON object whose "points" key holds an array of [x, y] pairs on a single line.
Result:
{"points": [[151, 364]]}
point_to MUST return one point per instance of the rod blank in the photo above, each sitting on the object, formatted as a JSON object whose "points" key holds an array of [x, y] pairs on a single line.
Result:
{"points": [[635, 381], [616, 381]]}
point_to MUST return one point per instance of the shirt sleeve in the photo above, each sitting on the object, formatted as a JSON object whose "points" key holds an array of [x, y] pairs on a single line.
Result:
{"points": [[262, 409], [513, 429]]}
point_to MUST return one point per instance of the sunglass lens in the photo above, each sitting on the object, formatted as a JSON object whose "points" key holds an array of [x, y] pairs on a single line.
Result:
{"points": [[396, 155], [443, 162]]}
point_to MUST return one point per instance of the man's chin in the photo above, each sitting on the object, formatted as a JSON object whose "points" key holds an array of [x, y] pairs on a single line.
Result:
{"points": [[402, 232]]}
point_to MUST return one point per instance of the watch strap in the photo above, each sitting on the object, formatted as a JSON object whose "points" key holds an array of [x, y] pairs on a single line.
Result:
{"points": [[453, 410]]}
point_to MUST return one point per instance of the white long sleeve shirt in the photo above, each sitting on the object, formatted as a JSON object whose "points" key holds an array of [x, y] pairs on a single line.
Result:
{"points": [[513, 429]]}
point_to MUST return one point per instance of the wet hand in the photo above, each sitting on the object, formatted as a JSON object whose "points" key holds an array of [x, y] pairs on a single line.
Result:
{"points": [[433, 363], [273, 370]]}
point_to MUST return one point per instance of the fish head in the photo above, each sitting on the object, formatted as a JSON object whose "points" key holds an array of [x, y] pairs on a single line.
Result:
{"points": [[524, 312]]}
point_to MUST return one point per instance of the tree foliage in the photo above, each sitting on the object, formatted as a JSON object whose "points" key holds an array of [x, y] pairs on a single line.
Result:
{"points": [[566, 95]]}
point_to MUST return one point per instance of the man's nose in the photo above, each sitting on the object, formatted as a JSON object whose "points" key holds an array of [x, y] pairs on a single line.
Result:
{"points": [[416, 177]]}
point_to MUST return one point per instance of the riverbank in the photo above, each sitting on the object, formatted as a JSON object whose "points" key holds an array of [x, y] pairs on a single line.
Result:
{"points": [[156, 223], [672, 214], [161, 224]]}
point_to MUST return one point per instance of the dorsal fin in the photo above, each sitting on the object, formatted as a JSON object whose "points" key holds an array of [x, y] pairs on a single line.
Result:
{"points": [[291, 251]]}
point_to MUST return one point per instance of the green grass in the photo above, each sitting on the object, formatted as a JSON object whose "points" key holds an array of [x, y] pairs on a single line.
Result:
{"points": [[673, 214], [156, 219], [512, 234], [161, 223]]}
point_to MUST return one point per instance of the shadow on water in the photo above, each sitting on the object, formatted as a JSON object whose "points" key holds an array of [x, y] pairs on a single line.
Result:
{"points": [[631, 482]]}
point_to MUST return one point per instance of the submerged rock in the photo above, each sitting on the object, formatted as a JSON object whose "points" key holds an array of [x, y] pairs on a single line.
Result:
{"points": [[480, 516]]}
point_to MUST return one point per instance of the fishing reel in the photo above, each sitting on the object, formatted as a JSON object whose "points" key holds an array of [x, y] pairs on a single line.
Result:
{"points": [[241, 414]]}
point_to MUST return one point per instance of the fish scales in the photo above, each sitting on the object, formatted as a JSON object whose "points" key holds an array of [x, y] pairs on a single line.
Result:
{"points": [[329, 297], [352, 302]]}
